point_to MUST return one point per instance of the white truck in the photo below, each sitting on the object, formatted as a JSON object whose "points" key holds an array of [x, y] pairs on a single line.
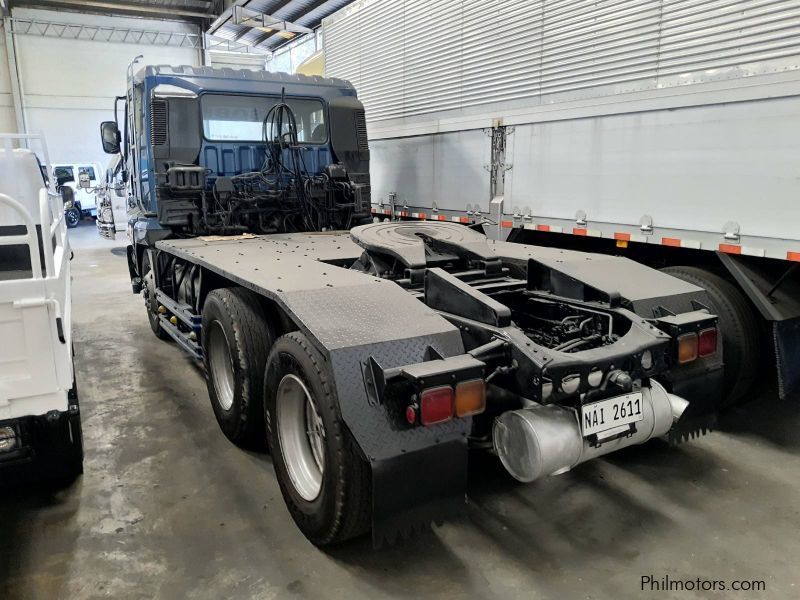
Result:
{"points": [[40, 426], [667, 131], [83, 179], [112, 201]]}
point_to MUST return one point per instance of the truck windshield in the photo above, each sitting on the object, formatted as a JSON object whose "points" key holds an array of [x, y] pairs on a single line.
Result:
{"points": [[240, 118]]}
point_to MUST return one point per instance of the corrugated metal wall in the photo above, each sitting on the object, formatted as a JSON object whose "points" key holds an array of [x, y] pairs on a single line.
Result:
{"points": [[416, 57]]}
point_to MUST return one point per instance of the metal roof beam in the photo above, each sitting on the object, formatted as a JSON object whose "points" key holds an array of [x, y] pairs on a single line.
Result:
{"points": [[305, 10], [128, 8], [96, 33]]}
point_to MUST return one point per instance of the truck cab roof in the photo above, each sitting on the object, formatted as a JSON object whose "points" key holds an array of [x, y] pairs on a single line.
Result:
{"points": [[211, 79]]}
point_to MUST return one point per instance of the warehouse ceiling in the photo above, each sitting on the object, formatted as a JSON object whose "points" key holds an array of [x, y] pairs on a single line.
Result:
{"points": [[263, 24], [284, 20], [185, 10]]}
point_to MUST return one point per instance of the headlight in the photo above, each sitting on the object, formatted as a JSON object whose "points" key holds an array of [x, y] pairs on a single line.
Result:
{"points": [[8, 439]]}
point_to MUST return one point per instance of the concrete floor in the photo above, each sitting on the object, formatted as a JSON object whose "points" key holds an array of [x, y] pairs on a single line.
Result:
{"points": [[169, 509]]}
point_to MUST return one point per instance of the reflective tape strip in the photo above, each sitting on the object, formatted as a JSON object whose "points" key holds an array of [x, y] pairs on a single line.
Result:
{"points": [[673, 242], [578, 231], [730, 249], [507, 224], [622, 237], [402, 213], [441, 217], [746, 250], [542, 227], [793, 256], [750, 251], [460, 219]]}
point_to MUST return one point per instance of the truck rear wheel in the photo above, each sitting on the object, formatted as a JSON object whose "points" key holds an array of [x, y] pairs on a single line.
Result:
{"points": [[73, 217], [324, 480], [236, 336], [150, 301], [738, 326]]}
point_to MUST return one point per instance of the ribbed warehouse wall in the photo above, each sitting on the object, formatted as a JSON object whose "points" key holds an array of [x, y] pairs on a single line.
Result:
{"points": [[415, 57]]}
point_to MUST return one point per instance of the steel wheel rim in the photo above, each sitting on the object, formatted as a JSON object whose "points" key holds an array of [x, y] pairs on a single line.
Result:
{"points": [[302, 437], [221, 365], [149, 282], [72, 217]]}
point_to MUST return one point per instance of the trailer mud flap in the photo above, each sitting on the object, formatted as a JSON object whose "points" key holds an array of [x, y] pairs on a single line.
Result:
{"points": [[704, 393], [786, 335], [411, 491]]}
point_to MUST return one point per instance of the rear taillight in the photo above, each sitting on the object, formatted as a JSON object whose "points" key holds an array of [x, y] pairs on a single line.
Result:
{"points": [[436, 405], [707, 342], [687, 347], [470, 398]]}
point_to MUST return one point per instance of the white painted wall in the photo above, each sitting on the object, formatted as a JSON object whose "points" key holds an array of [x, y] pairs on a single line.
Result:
{"points": [[69, 85]]}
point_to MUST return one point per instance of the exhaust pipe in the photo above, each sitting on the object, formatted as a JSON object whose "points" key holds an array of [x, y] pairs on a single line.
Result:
{"points": [[547, 440]]}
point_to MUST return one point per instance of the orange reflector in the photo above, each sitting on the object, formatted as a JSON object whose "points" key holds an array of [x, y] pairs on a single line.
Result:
{"points": [[470, 397], [687, 347]]}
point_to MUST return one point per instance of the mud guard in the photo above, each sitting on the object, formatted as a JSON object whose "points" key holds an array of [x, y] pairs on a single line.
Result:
{"points": [[785, 335], [412, 490]]}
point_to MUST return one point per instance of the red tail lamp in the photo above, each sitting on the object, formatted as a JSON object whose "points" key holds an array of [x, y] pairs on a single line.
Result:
{"points": [[436, 405], [707, 342]]}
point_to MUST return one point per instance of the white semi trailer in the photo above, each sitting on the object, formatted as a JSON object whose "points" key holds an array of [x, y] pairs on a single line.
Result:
{"points": [[667, 131]]}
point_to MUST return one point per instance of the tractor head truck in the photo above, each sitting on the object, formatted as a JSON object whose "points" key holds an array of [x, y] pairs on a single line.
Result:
{"points": [[372, 356]]}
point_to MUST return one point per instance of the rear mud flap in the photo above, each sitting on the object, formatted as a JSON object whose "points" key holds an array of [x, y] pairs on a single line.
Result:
{"points": [[786, 335], [701, 415], [412, 491]]}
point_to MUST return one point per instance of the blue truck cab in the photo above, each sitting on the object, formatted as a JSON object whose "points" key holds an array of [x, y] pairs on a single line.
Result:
{"points": [[223, 151]]}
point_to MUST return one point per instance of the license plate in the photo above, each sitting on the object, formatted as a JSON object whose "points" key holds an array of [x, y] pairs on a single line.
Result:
{"points": [[612, 413]]}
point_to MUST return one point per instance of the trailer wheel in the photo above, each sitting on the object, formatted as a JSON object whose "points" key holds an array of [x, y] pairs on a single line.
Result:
{"points": [[150, 301], [237, 336], [738, 326], [324, 480]]}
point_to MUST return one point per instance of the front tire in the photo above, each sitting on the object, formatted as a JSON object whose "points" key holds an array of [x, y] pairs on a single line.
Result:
{"points": [[150, 301], [324, 480], [237, 337], [72, 217]]}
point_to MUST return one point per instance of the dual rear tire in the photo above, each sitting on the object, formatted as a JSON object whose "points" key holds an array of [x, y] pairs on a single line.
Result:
{"points": [[739, 328], [282, 393]]}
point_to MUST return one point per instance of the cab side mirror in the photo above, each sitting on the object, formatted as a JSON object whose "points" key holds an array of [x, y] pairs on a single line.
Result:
{"points": [[109, 135]]}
